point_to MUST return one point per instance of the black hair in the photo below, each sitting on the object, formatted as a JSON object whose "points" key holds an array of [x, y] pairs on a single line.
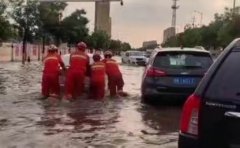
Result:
{"points": [[107, 56]]}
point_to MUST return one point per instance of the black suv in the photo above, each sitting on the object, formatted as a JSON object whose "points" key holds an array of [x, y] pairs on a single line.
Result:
{"points": [[174, 72], [211, 116]]}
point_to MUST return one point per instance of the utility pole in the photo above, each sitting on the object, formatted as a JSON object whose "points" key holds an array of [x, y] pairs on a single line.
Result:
{"points": [[193, 19], [174, 14], [234, 7], [201, 17]]}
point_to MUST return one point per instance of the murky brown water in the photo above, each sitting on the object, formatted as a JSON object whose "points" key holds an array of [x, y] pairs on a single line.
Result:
{"points": [[27, 122]]}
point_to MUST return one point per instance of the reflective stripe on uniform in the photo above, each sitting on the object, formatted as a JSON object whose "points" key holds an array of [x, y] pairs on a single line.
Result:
{"points": [[79, 56], [97, 66], [50, 58], [111, 62]]}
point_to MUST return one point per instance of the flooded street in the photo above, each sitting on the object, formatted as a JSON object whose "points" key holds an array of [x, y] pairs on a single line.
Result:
{"points": [[28, 122]]}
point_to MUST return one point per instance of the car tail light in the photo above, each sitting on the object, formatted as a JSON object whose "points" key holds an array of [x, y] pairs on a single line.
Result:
{"points": [[190, 115], [154, 72]]}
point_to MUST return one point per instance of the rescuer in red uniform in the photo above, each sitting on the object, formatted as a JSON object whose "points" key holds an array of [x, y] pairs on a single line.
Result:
{"points": [[50, 78], [79, 65], [97, 79], [115, 80]]}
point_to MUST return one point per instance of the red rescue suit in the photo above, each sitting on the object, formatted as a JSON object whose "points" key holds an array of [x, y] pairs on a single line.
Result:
{"points": [[79, 63], [50, 78], [115, 80], [97, 81]]}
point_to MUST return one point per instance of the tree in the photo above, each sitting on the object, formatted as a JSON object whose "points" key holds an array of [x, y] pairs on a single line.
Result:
{"points": [[192, 37], [74, 27], [27, 19], [99, 40], [50, 20], [125, 46], [220, 32], [115, 44], [5, 26]]}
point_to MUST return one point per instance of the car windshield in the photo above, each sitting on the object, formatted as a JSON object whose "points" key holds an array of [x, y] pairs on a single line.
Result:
{"points": [[147, 54], [136, 53], [183, 60]]}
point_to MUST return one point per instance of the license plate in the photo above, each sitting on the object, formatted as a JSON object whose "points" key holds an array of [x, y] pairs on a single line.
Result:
{"points": [[184, 81]]}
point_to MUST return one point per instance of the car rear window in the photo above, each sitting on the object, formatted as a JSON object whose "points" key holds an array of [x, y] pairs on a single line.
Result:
{"points": [[226, 82], [136, 53], [183, 60]]}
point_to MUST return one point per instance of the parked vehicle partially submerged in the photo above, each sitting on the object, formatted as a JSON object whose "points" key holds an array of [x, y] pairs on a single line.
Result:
{"points": [[174, 72]]}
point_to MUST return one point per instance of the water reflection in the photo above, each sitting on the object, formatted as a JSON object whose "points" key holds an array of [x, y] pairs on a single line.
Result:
{"points": [[2, 84], [161, 119], [84, 119]]}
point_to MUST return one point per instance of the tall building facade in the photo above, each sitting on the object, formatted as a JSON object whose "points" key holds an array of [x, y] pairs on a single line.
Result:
{"points": [[168, 33], [102, 17]]}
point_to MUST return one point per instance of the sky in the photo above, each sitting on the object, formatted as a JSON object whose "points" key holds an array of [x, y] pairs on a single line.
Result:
{"points": [[144, 20]]}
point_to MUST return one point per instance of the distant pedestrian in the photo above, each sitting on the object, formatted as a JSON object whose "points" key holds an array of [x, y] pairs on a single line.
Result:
{"points": [[97, 78], [51, 72]]}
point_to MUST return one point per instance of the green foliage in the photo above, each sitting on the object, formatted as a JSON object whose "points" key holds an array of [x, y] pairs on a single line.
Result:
{"points": [[117, 45], [50, 19], [25, 16], [5, 27], [42, 21], [220, 32], [74, 27], [99, 40], [125, 46]]}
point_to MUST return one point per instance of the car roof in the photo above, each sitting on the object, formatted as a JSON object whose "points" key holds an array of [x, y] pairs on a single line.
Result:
{"points": [[179, 49]]}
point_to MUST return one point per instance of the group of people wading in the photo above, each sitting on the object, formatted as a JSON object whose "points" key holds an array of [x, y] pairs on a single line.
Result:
{"points": [[79, 69]]}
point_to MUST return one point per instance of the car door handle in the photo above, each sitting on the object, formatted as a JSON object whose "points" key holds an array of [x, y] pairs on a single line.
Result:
{"points": [[232, 114]]}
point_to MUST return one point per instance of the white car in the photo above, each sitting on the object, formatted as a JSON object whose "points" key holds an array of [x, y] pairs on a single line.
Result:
{"points": [[134, 57]]}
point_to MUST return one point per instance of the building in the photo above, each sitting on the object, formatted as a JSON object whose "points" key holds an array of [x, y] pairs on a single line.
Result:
{"points": [[150, 44], [102, 17], [168, 33]]}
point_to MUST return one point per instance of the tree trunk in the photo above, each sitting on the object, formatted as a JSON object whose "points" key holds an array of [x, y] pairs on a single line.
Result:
{"points": [[24, 45], [43, 46]]}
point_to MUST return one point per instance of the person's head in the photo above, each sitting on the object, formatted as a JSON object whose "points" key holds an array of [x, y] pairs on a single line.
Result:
{"points": [[96, 57], [108, 54], [81, 46], [98, 51], [52, 48]]}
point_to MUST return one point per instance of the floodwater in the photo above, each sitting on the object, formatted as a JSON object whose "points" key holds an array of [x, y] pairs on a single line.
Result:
{"points": [[28, 122]]}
